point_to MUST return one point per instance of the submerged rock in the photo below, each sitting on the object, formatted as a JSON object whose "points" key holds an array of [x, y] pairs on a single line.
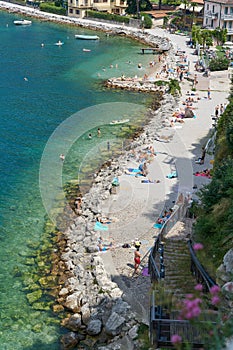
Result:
{"points": [[34, 296]]}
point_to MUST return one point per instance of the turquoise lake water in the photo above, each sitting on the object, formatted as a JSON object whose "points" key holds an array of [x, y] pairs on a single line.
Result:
{"points": [[50, 93]]}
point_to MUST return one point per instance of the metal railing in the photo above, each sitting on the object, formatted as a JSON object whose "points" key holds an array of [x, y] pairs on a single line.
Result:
{"points": [[157, 273], [165, 322], [199, 271]]}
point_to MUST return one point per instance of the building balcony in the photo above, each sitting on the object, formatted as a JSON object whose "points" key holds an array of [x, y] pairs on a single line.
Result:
{"points": [[120, 3], [229, 31], [210, 14], [84, 6], [227, 17]]}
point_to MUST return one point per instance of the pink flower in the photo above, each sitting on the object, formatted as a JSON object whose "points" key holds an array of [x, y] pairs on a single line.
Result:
{"points": [[196, 311], [198, 246], [191, 308], [189, 296], [199, 287], [197, 301], [215, 300], [215, 290], [176, 339]]}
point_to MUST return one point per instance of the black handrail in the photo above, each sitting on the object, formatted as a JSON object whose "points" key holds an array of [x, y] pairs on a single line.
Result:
{"points": [[199, 271]]}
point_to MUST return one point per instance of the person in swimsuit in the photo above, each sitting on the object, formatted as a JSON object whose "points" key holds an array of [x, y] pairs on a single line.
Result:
{"points": [[137, 260]]}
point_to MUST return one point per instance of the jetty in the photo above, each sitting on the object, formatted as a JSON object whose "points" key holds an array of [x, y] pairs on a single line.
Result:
{"points": [[152, 50]]}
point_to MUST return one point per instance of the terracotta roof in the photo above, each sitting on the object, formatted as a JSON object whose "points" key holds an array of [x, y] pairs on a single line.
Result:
{"points": [[158, 13], [199, 2]]}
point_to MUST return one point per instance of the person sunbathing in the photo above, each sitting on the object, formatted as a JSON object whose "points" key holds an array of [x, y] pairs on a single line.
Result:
{"points": [[205, 172], [103, 220]]}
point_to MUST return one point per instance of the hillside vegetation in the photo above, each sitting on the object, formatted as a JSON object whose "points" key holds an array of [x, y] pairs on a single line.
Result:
{"points": [[214, 226]]}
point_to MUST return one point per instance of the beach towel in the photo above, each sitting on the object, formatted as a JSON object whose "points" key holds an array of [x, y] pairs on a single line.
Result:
{"points": [[132, 170], [172, 175], [158, 225], [203, 175], [100, 227], [145, 272]]}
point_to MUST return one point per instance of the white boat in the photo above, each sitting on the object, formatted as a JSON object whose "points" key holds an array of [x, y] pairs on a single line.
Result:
{"points": [[86, 50], [22, 22], [120, 121], [59, 43], [86, 37]]}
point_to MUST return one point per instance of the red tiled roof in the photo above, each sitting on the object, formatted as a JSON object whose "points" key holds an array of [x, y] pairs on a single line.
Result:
{"points": [[158, 13]]}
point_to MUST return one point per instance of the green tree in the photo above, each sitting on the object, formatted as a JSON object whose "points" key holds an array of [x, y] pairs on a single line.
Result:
{"points": [[185, 2], [193, 4], [205, 38], [136, 6], [220, 35], [196, 34]]}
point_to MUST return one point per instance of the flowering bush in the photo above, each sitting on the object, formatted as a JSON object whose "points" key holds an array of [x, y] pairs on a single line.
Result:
{"points": [[207, 313], [200, 310]]}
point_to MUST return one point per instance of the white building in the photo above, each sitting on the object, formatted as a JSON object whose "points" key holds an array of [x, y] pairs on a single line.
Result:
{"points": [[219, 13], [78, 8]]}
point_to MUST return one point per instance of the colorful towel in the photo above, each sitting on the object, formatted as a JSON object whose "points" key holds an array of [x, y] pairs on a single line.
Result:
{"points": [[158, 225], [203, 175], [133, 170], [100, 227], [145, 272], [172, 175]]}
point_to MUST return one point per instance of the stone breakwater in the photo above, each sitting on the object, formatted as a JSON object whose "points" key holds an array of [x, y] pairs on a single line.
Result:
{"points": [[135, 85]]}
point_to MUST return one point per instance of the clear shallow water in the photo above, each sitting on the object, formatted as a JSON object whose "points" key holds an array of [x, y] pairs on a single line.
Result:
{"points": [[60, 82]]}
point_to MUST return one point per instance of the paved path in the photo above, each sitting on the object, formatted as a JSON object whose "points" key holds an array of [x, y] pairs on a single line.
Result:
{"points": [[138, 205]]}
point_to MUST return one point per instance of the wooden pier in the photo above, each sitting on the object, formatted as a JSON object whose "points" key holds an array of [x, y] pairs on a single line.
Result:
{"points": [[153, 50]]}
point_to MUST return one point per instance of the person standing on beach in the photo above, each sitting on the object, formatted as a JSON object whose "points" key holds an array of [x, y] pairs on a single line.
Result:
{"points": [[137, 260], [208, 94], [217, 111]]}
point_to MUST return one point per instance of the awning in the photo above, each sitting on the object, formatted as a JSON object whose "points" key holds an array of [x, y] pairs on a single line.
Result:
{"points": [[190, 8]]}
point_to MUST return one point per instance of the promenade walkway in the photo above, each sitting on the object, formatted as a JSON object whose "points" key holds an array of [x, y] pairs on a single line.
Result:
{"points": [[137, 206]]}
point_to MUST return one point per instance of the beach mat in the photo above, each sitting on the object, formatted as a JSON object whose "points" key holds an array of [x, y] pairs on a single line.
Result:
{"points": [[145, 272], [158, 225], [100, 227]]}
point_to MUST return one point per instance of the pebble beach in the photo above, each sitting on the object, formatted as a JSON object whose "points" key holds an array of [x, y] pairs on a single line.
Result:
{"points": [[95, 290]]}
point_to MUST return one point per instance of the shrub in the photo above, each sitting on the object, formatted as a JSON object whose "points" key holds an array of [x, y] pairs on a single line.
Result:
{"points": [[147, 23], [174, 87], [219, 64], [52, 8], [108, 16]]}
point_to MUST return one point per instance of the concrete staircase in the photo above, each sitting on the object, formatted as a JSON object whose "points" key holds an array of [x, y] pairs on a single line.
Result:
{"points": [[178, 278]]}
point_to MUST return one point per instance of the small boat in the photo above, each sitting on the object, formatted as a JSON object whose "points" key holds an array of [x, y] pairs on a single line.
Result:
{"points": [[86, 50], [120, 121], [86, 37], [22, 22], [59, 43]]}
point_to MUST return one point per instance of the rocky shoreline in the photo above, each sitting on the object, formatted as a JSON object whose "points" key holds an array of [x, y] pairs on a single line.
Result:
{"points": [[96, 304], [98, 315]]}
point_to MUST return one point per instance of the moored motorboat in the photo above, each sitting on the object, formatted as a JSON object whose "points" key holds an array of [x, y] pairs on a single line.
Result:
{"points": [[120, 121], [22, 22], [86, 37]]}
